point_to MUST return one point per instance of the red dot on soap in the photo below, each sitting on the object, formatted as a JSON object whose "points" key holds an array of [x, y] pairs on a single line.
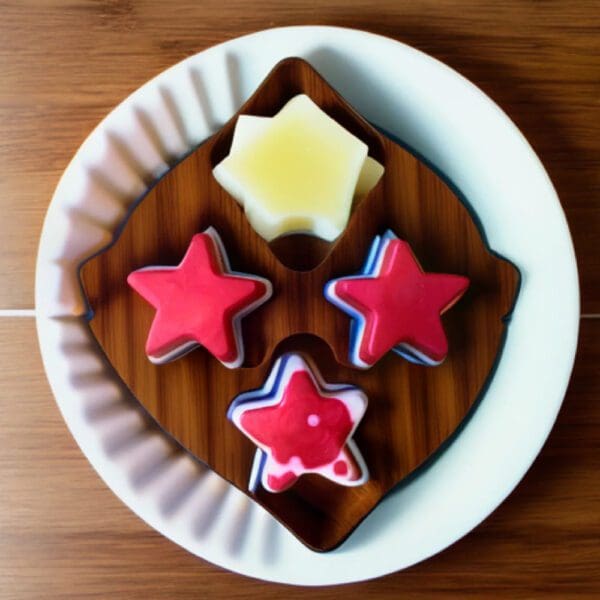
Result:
{"points": [[340, 468]]}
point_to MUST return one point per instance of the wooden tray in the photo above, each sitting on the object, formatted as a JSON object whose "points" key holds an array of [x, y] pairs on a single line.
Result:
{"points": [[413, 409]]}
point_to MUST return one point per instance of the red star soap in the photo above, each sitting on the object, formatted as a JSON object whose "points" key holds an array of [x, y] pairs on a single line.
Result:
{"points": [[200, 302], [301, 425], [395, 305]]}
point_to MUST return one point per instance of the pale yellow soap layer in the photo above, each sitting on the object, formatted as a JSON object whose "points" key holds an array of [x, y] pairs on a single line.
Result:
{"points": [[300, 170], [370, 174], [249, 127]]}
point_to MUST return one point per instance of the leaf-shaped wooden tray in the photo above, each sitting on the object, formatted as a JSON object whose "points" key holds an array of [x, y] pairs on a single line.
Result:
{"points": [[413, 410]]}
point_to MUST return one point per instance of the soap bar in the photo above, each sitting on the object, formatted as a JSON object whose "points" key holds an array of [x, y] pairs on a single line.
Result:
{"points": [[395, 306], [296, 173], [301, 425], [199, 302], [248, 128]]}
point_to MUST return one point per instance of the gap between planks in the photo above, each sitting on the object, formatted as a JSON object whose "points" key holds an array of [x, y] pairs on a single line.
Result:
{"points": [[30, 312], [17, 312]]}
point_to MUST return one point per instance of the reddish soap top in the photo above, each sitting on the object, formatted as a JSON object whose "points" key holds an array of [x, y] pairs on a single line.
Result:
{"points": [[304, 424], [401, 304], [301, 425], [198, 302]]}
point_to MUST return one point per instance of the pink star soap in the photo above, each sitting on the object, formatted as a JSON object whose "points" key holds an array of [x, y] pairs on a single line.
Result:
{"points": [[200, 302], [301, 425], [396, 306]]}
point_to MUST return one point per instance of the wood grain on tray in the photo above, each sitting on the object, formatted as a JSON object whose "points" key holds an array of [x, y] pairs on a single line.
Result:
{"points": [[413, 409]]}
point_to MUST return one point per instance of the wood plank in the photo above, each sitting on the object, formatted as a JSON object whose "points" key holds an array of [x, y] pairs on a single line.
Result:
{"points": [[66, 63], [63, 534]]}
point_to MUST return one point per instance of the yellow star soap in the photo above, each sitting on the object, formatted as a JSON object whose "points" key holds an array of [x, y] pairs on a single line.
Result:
{"points": [[250, 127], [296, 172]]}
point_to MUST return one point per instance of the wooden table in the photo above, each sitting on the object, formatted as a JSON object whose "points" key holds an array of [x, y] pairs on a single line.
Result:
{"points": [[63, 66]]}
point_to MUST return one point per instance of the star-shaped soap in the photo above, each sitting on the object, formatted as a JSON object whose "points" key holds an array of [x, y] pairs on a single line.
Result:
{"points": [[294, 173], [301, 425], [395, 305], [200, 302], [250, 128]]}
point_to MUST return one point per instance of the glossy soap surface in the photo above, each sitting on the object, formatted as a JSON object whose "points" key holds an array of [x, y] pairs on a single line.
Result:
{"points": [[301, 425], [395, 305], [198, 302]]}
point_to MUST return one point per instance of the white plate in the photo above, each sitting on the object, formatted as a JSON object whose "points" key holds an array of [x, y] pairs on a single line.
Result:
{"points": [[456, 127]]}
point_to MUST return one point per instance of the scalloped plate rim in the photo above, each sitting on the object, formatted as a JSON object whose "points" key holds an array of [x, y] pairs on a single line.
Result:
{"points": [[376, 559]]}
